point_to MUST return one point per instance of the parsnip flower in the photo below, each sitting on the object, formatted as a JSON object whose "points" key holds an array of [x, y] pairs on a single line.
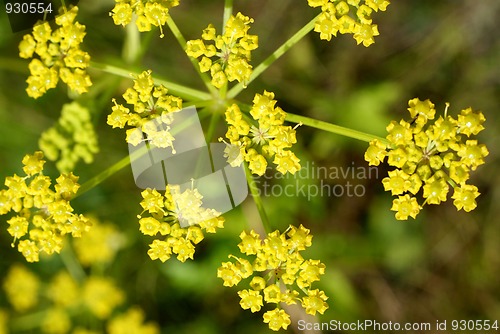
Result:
{"points": [[149, 13], [277, 258], [101, 296], [263, 135], [132, 321], [72, 139], [348, 17], [433, 157], [21, 287], [149, 102], [226, 56], [43, 216], [59, 55], [167, 213], [277, 319]]}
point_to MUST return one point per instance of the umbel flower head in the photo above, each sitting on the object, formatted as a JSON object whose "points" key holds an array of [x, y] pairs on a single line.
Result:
{"points": [[279, 274], [149, 102], [226, 56], [98, 298], [166, 215], [348, 17], [72, 139], [263, 135], [431, 158], [43, 216], [58, 55], [149, 13]]}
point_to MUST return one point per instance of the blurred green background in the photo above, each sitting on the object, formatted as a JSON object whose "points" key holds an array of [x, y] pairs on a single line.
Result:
{"points": [[442, 266]]}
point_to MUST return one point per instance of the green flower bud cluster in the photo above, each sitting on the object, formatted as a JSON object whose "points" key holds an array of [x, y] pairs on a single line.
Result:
{"points": [[72, 138]]}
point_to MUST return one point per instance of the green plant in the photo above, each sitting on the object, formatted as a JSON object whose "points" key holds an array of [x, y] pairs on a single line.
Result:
{"points": [[430, 156]]}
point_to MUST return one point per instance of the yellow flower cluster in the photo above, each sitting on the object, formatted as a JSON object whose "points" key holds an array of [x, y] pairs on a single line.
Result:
{"points": [[101, 296], [71, 139], [430, 157], [149, 13], [281, 265], [100, 244], [348, 17], [43, 215], [59, 54], [232, 51], [167, 213], [149, 102], [63, 300], [131, 321], [21, 287], [267, 137]]}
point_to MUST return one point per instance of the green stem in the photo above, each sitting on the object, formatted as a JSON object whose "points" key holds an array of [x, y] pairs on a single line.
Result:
{"points": [[182, 42], [73, 265], [233, 92], [228, 11], [340, 130], [258, 200], [104, 175], [27, 322], [131, 46], [211, 128], [182, 91], [99, 178], [15, 65]]}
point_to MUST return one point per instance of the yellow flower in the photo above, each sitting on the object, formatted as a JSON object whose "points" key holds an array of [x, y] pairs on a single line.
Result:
{"points": [[33, 164], [56, 321], [229, 274], [315, 302], [405, 206], [43, 215], [101, 296], [132, 321], [170, 210], [63, 290], [430, 155], [21, 287], [231, 50], [149, 102], [364, 33], [250, 299], [277, 258], [100, 244], [160, 249], [336, 17], [465, 197], [59, 55], [435, 191], [398, 182], [277, 319], [272, 294], [267, 137], [72, 139], [149, 226], [470, 122], [148, 13]]}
